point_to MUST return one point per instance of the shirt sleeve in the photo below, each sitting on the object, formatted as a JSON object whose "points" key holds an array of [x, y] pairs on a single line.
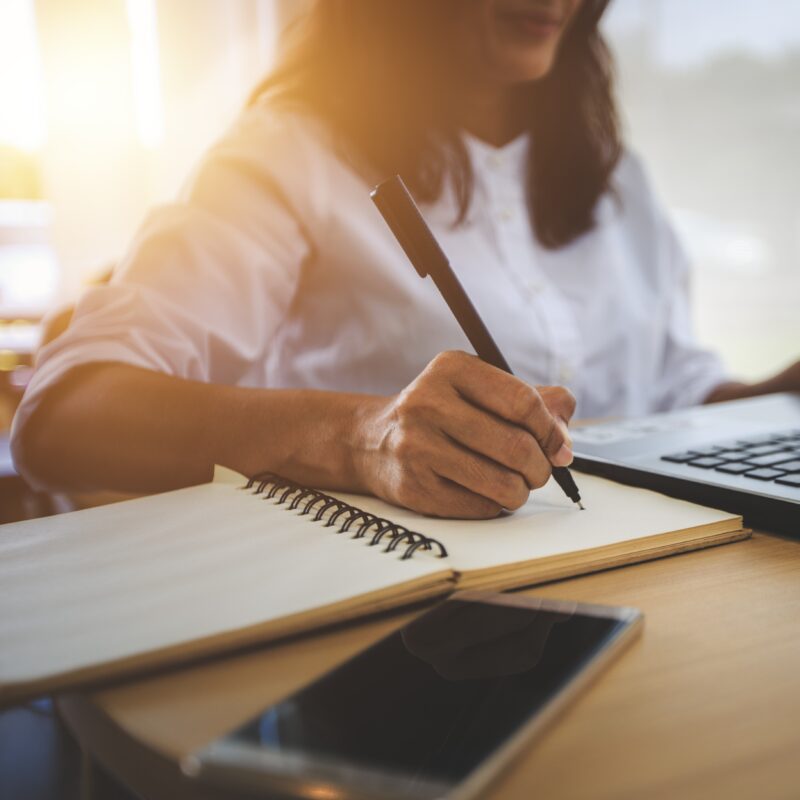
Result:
{"points": [[208, 279], [688, 372]]}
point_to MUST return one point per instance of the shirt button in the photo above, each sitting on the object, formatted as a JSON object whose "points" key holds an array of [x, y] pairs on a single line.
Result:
{"points": [[495, 160], [565, 373], [506, 214]]}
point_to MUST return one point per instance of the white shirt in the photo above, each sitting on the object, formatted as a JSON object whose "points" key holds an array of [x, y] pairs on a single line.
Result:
{"points": [[274, 269]]}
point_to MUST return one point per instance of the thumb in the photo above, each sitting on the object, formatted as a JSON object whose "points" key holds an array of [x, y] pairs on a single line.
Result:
{"points": [[560, 402]]}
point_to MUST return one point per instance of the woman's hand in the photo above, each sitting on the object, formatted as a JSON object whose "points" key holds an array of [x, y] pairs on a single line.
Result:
{"points": [[786, 381], [465, 439]]}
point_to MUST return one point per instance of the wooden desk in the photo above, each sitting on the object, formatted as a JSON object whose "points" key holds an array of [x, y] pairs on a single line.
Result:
{"points": [[705, 705]]}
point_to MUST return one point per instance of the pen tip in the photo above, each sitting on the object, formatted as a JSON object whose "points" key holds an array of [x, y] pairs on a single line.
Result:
{"points": [[581, 506]]}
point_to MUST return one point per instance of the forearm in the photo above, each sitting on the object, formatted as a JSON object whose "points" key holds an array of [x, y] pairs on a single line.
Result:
{"points": [[785, 381], [114, 426], [731, 390], [463, 439]]}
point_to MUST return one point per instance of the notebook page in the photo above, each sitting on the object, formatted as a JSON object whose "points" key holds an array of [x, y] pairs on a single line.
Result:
{"points": [[108, 583], [550, 525]]}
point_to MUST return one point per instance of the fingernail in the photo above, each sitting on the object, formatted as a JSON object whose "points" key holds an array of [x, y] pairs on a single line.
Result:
{"points": [[563, 458], [565, 431]]}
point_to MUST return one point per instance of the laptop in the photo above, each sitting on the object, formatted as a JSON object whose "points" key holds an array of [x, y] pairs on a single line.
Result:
{"points": [[742, 456]]}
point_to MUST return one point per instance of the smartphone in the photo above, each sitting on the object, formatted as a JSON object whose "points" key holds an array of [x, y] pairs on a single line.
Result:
{"points": [[434, 710]]}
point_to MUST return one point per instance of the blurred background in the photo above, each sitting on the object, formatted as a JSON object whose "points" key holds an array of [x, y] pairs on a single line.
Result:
{"points": [[106, 105]]}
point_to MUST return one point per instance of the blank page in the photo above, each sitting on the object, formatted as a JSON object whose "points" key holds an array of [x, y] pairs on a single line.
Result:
{"points": [[110, 583], [551, 525]]}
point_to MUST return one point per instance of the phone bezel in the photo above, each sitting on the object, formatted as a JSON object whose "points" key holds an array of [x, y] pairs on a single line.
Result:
{"points": [[306, 777]]}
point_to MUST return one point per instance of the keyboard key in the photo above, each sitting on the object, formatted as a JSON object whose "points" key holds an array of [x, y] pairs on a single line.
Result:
{"points": [[791, 466], [732, 455], [764, 450], [770, 460], [707, 451], [731, 444], [768, 457], [757, 440], [789, 480], [734, 469], [765, 474], [706, 463], [680, 458]]}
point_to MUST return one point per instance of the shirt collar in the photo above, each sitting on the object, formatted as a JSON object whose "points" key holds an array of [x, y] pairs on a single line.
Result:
{"points": [[508, 159]]}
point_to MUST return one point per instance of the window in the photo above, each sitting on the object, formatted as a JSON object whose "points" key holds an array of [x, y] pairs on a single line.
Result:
{"points": [[28, 271], [710, 97], [106, 108]]}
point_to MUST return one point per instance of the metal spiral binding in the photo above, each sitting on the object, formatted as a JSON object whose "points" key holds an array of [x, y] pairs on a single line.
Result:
{"points": [[350, 518]]}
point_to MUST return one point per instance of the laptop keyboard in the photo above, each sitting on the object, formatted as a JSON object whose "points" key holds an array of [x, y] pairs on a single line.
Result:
{"points": [[774, 458]]}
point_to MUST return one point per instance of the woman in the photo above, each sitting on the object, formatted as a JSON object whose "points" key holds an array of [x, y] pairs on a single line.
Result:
{"points": [[268, 321]]}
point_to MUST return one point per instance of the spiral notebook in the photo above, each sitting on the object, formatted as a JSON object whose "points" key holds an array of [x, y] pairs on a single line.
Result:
{"points": [[110, 591]]}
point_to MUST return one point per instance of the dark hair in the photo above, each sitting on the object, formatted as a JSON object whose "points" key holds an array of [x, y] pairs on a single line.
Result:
{"points": [[377, 73]]}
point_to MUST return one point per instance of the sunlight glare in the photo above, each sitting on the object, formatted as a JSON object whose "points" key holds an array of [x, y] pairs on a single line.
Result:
{"points": [[145, 71], [21, 98]]}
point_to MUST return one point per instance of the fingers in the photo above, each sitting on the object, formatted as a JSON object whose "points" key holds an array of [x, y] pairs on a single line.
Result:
{"points": [[481, 476], [560, 401], [509, 445], [437, 476], [441, 497], [543, 414]]}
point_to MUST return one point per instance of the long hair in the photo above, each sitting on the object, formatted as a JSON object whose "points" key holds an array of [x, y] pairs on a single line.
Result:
{"points": [[378, 73]]}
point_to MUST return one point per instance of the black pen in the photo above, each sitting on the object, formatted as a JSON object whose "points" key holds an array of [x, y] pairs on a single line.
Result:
{"points": [[403, 217]]}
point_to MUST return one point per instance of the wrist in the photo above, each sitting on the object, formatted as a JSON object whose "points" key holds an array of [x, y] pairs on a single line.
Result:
{"points": [[317, 438], [730, 390], [735, 390], [364, 438]]}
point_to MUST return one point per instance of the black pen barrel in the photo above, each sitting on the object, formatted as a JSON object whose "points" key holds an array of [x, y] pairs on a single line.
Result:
{"points": [[563, 477], [467, 316]]}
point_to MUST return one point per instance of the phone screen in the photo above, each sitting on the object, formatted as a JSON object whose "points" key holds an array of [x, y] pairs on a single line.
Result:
{"points": [[434, 699]]}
